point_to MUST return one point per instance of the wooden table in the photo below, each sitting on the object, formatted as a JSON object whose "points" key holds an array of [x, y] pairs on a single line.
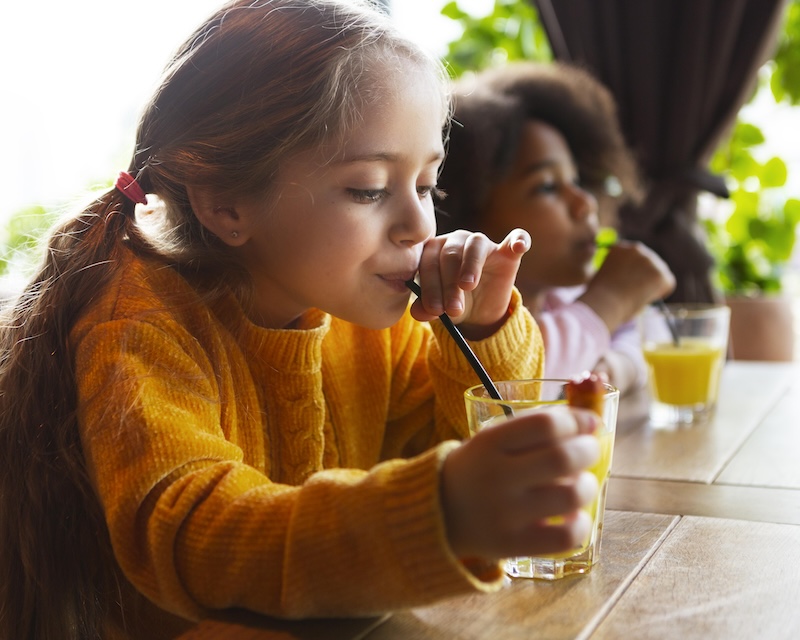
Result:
{"points": [[701, 540]]}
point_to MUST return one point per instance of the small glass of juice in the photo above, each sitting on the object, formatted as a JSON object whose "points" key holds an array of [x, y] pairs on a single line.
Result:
{"points": [[684, 346]]}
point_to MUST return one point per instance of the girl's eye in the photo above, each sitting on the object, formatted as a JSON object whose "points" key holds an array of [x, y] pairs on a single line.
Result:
{"points": [[367, 196], [546, 187]]}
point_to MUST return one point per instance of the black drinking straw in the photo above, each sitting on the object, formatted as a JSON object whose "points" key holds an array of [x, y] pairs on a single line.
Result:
{"points": [[469, 354]]}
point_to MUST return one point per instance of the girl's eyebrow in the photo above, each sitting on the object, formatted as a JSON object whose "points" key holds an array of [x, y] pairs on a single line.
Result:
{"points": [[385, 156], [538, 166]]}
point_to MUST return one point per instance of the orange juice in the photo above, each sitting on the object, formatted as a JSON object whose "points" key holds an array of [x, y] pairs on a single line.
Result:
{"points": [[686, 374], [601, 470]]}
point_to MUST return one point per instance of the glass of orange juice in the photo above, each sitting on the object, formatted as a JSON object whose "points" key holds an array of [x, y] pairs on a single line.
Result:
{"points": [[541, 394], [684, 346]]}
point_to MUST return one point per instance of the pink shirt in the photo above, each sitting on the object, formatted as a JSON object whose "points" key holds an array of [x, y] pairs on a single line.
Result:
{"points": [[575, 337]]}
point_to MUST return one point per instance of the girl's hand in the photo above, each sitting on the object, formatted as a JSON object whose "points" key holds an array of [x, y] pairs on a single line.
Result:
{"points": [[470, 278], [631, 277], [500, 486], [619, 369]]}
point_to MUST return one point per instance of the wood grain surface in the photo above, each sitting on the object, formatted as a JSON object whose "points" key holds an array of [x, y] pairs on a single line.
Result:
{"points": [[243, 625], [749, 391], [714, 578], [538, 609]]}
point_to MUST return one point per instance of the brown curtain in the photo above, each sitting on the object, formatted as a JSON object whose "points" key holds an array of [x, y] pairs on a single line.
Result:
{"points": [[680, 71]]}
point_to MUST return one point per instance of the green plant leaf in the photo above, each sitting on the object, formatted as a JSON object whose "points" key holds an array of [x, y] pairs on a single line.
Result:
{"points": [[791, 211], [511, 31], [453, 11], [785, 79], [23, 235], [773, 173], [743, 165], [747, 135]]}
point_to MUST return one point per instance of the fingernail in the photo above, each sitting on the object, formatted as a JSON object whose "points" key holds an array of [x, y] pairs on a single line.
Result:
{"points": [[468, 278]]}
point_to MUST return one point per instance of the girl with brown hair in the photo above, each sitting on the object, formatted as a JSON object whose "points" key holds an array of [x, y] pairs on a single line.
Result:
{"points": [[214, 393]]}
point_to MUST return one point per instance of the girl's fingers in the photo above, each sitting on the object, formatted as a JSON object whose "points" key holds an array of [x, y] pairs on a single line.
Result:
{"points": [[515, 475], [549, 513], [537, 427], [538, 467], [430, 278], [450, 265], [568, 496], [450, 261], [461, 263], [571, 533], [518, 241], [476, 249]]}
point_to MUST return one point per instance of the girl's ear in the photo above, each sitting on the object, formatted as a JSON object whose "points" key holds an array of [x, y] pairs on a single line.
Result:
{"points": [[220, 218]]}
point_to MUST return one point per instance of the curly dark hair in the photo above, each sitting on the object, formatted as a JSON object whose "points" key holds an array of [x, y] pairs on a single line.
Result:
{"points": [[491, 108]]}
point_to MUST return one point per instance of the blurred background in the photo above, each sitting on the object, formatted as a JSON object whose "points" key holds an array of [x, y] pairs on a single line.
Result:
{"points": [[75, 75]]}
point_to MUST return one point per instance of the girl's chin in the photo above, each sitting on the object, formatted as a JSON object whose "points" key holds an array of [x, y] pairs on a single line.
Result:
{"points": [[377, 321]]}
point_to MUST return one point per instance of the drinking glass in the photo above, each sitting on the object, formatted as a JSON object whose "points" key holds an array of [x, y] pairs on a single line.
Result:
{"points": [[684, 346], [542, 394]]}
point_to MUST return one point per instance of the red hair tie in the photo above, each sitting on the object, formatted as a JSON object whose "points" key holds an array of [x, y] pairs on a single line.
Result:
{"points": [[127, 184]]}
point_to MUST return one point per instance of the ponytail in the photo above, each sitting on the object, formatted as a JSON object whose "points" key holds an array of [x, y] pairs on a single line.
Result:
{"points": [[56, 566]]}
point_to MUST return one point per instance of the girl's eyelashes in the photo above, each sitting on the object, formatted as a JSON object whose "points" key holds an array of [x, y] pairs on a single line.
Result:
{"points": [[546, 187], [435, 192], [370, 196], [554, 186], [367, 196]]}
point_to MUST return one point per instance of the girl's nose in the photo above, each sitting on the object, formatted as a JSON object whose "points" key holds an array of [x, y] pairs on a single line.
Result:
{"points": [[583, 204], [415, 222]]}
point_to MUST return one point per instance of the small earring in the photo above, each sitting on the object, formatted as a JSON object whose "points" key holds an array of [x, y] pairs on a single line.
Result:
{"points": [[234, 234]]}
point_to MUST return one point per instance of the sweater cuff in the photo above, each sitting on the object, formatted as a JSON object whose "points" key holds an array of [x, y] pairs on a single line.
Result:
{"points": [[502, 349], [421, 540]]}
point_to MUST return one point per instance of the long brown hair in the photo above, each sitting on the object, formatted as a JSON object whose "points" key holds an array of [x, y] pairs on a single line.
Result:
{"points": [[258, 81]]}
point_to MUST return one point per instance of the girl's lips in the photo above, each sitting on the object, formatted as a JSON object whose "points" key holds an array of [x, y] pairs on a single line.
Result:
{"points": [[397, 281], [589, 245], [585, 251]]}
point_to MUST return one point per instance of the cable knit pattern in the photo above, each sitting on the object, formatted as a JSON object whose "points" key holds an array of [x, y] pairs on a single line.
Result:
{"points": [[290, 472]]}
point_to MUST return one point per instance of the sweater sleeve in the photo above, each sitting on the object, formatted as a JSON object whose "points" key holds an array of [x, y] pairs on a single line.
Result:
{"points": [[575, 339], [197, 525]]}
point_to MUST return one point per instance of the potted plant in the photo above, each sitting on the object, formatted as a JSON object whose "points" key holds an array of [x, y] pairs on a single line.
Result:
{"points": [[753, 241]]}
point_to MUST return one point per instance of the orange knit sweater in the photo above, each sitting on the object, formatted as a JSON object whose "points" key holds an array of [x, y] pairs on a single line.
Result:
{"points": [[290, 472]]}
